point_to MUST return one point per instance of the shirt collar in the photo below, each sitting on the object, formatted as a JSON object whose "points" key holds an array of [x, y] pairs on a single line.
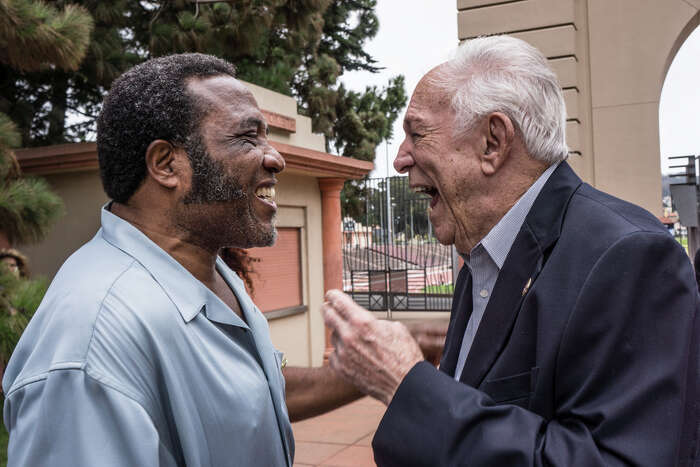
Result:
{"points": [[187, 293], [500, 238], [217, 310]]}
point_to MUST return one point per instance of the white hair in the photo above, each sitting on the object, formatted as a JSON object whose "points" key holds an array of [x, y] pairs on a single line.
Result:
{"points": [[508, 75]]}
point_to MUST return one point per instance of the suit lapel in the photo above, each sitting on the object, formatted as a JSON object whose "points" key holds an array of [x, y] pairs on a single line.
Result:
{"points": [[502, 308], [525, 260], [461, 311]]}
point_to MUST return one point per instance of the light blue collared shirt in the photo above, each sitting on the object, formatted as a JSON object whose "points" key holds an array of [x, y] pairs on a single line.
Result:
{"points": [[486, 259], [131, 361]]}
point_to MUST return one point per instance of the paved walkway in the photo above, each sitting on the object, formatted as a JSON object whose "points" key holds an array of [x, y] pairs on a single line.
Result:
{"points": [[339, 438]]}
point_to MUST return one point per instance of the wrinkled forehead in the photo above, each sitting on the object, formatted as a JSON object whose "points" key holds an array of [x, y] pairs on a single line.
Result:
{"points": [[221, 90], [224, 96], [428, 102], [428, 94]]}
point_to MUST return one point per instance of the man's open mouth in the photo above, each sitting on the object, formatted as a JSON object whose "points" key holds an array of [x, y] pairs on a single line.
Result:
{"points": [[430, 191], [266, 194]]}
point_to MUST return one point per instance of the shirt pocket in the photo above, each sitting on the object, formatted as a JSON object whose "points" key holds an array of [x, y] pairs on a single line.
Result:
{"points": [[279, 358], [514, 389]]}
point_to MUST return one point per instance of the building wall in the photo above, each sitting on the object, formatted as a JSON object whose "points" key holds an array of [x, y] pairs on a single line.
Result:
{"points": [[287, 106], [82, 196], [301, 337], [611, 57], [277, 282]]}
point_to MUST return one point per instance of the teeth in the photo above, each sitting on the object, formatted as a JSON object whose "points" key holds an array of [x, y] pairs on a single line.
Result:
{"points": [[422, 189], [266, 192]]}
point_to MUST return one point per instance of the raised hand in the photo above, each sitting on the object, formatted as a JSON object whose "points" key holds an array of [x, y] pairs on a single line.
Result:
{"points": [[373, 355]]}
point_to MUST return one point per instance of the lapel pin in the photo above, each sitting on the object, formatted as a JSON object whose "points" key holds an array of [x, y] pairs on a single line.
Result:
{"points": [[284, 362], [527, 286]]}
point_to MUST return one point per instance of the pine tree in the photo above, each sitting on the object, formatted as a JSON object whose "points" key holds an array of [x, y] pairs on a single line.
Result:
{"points": [[296, 47], [38, 38]]}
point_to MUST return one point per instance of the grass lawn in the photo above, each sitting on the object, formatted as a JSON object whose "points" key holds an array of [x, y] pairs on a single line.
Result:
{"points": [[440, 289]]}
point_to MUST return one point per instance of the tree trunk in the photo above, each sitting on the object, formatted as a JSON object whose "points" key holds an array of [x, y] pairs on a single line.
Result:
{"points": [[4, 242], [57, 115]]}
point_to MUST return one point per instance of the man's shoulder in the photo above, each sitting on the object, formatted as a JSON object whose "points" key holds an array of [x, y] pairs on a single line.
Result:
{"points": [[100, 276], [596, 224], [100, 299], [589, 204]]}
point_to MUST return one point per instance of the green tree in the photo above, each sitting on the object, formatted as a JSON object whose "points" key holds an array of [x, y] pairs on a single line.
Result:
{"points": [[297, 47], [365, 201]]}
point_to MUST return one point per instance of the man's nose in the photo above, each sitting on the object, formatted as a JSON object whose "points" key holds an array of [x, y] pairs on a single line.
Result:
{"points": [[273, 160], [404, 158]]}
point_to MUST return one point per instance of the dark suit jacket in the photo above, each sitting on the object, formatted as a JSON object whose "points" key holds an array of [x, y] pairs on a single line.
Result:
{"points": [[595, 363], [696, 262]]}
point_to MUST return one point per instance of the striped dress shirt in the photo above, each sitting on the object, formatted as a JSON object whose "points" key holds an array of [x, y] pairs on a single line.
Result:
{"points": [[486, 259]]}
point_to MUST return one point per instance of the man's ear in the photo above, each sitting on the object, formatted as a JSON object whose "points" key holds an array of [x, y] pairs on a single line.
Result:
{"points": [[499, 133], [162, 163]]}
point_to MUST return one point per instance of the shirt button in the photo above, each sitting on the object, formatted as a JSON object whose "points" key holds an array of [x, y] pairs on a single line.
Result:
{"points": [[484, 293]]}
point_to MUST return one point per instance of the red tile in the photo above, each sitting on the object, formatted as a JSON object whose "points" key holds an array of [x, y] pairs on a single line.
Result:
{"points": [[339, 438], [353, 456], [314, 453], [346, 425], [366, 441]]}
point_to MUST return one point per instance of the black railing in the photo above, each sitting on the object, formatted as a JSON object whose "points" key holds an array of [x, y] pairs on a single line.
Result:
{"points": [[391, 259]]}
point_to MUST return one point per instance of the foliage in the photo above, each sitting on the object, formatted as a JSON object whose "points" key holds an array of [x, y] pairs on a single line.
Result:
{"points": [[366, 119], [16, 308], [28, 208], [4, 439], [9, 138], [42, 39], [55, 38], [441, 289], [365, 201], [297, 47]]}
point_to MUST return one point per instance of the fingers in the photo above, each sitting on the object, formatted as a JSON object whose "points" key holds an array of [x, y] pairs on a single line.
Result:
{"points": [[343, 316], [334, 320], [346, 307], [334, 339], [333, 361]]}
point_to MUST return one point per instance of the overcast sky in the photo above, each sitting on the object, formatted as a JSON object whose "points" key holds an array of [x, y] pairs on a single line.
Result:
{"points": [[413, 37], [679, 110], [416, 35]]}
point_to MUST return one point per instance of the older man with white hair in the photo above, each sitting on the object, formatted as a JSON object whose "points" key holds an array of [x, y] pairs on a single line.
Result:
{"points": [[573, 338]]}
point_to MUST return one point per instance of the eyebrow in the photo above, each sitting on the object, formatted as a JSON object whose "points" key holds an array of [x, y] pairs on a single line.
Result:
{"points": [[251, 122], [414, 122]]}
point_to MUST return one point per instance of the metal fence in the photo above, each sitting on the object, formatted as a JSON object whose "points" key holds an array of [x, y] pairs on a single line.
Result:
{"points": [[391, 259], [681, 236]]}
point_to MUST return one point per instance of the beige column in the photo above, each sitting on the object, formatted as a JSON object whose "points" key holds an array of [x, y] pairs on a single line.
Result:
{"points": [[332, 250]]}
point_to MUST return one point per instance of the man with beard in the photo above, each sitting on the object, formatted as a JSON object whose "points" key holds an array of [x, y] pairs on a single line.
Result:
{"points": [[146, 349], [573, 338]]}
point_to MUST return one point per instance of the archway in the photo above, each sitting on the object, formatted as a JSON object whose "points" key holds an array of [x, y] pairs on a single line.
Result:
{"points": [[679, 139]]}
